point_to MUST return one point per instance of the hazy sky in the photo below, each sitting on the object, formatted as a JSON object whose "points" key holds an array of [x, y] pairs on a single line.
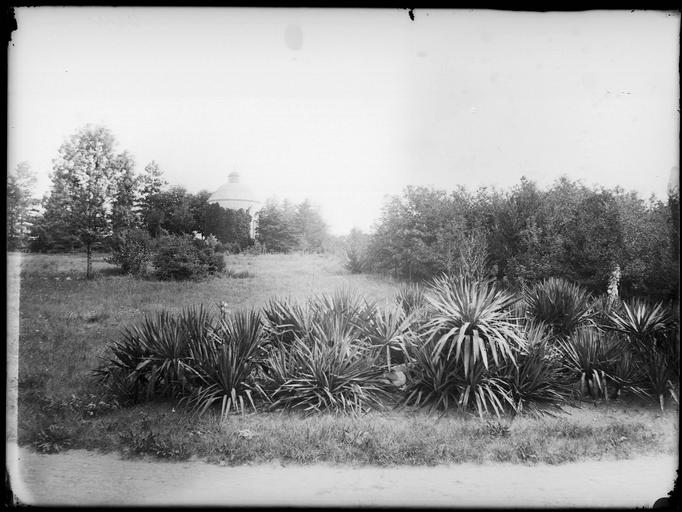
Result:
{"points": [[344, 106]]}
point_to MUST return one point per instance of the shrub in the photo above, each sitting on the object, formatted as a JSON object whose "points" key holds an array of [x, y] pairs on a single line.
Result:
{"points": [[183, 257], [469, 325], [641, 321], [411, 298], [152, 359], [226, 364], [654, 341], [132, 251], [472, 317], [326, 371], [561, 305], [589, 356], [285, 319], [52, 439], [356, 260], [389, 332], [535, 381]]}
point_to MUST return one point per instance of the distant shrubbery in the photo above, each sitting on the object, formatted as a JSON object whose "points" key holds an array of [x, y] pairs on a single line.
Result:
{"points": [[132, 251], [569, 230], [286, 227], [167, 257], [185, 257]]}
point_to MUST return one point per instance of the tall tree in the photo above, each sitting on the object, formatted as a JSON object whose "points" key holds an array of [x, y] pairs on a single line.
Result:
{"points": [[277, 229], [20, 205], [151, 184], [310, 226], [126, 201], [83, 187]]}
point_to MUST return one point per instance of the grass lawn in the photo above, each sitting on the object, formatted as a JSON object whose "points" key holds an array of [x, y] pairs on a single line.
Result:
{"points": [[66, 323]]}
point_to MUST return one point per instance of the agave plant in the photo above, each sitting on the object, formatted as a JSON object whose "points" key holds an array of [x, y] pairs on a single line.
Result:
{"points": [[471, 318], [225, 366], [561, 305], [641, 321], [535, 382]]}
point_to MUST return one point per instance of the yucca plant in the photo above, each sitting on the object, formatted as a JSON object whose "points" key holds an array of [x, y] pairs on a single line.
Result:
{"points": [[329, 370], [285, 319], [561, 305], [118, 373], [390, 332], [660, 375], [589, 356], [411, 298], [469, 334], [535, 381], [345, 306], [152, 358], [226, 365], [627, 373], [434, 380], [486, 392], [471, 318], [437, 382], [641, 321]]}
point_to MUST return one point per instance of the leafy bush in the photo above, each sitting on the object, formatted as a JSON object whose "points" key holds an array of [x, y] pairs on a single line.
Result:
{"points": [[184, 257], [132, 251], [561, 305], [226, 364]]}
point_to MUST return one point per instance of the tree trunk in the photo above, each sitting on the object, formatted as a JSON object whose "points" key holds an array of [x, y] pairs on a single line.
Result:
{"points": [[88, 253]]}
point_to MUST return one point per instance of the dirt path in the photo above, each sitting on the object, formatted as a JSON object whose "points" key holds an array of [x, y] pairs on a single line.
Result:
{"points": [[87, 478]]}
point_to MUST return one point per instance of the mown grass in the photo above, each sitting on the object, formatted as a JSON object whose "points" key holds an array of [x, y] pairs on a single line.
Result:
{"points": [[67, 322], [391, 438]]}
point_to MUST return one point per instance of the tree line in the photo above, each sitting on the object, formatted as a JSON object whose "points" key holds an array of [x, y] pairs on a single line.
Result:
{"points": [[96, 194], [520, 236]]}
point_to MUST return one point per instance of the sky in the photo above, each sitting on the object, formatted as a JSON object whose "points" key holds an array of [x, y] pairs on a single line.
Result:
{"points": [[345, 106]]}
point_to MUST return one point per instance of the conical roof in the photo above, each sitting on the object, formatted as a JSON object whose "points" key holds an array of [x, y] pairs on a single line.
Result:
{"points": [[234, 195]]}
